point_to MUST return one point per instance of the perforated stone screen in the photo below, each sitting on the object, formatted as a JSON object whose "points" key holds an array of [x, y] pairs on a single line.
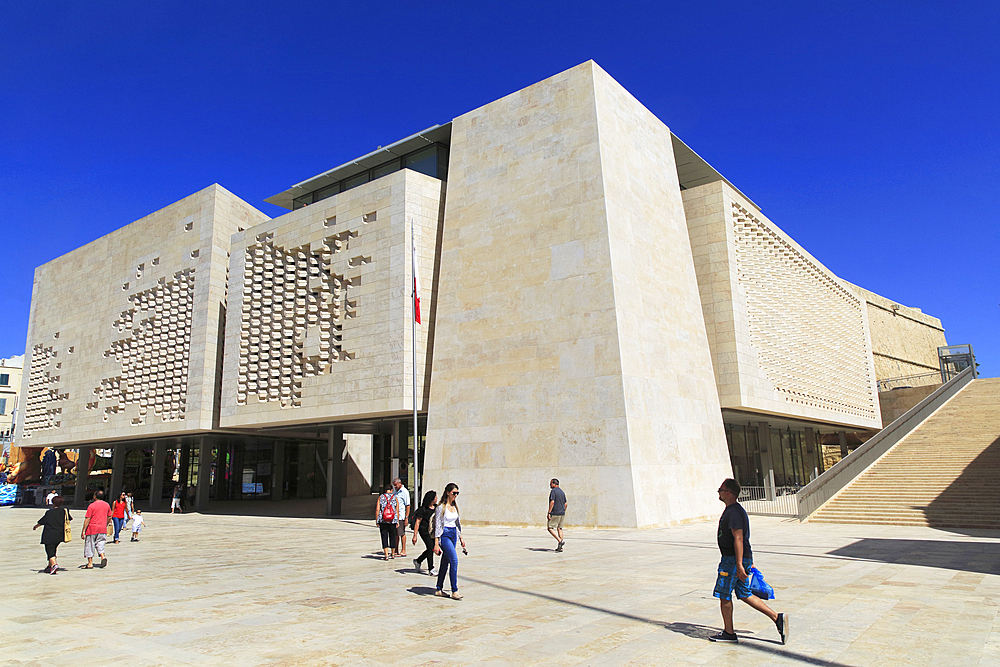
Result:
{"points": [[806, 328]]}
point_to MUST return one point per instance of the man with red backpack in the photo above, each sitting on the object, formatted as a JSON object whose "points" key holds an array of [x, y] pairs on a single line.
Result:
{"points": [[387, 517]]}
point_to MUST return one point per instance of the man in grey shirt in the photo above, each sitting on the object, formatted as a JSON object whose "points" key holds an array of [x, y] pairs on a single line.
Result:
{"points": [[557, 512]]}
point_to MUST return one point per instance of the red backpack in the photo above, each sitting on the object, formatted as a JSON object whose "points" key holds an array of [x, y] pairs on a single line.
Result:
{"points": [[389, 511]]}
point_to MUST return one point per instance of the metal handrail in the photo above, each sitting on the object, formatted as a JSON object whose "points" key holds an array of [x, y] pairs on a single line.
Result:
{"points": [[883, 385], [817, 492]]}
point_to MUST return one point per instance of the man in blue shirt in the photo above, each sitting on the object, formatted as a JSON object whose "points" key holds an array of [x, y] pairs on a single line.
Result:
{"points": [[737, 559]]}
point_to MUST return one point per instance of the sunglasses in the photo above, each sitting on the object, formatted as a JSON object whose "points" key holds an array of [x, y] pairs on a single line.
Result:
{"points": [[454, 493]]}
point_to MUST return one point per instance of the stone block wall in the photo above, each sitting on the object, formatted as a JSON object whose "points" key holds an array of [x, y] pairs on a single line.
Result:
{"points": [[319, 313], [564, 260], [124, 332], [904, 342]]}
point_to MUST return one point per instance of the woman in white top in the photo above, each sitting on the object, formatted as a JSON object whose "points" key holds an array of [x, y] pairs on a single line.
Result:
{"points": [[448, 531]]}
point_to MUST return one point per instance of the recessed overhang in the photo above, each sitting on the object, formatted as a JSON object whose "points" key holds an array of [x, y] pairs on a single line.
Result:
{"points": [[692, 170], [432, 135]]}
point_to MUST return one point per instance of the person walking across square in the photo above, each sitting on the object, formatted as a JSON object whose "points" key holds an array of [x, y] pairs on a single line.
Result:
{"points": [[137, 523], [422, 526], [448, 531], [403, 496], [175, 500], [557, 512], [118, 509], [53, 524], [95, 531], [737, 559], [386, 518]]}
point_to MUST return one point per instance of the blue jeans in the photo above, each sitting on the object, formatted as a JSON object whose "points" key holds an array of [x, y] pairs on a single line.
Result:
{"points": [[119, 524], [448, 538]]}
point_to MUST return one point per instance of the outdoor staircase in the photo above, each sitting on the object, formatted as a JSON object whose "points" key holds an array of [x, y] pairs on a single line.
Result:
{"points": [[945, 474]]}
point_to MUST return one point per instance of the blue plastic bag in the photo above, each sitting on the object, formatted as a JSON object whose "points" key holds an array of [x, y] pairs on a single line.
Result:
{"points": [[758, 586]]}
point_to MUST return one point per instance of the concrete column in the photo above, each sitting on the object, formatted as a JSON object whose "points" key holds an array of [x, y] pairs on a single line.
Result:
{"points": [[812, 454], [82, 475], [277, 471], [204, 473], [766, 462], [397, 447], [117, 471], [842, 437], [156, 482], [335, 471]]}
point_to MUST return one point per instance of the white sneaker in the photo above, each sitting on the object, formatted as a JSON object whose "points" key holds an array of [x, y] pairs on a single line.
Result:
{"points": [[416, 566], [432, 572]]}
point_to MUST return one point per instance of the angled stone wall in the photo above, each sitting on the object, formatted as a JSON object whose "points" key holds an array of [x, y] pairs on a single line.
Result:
{"points": [[124, 332], [547, 359]]}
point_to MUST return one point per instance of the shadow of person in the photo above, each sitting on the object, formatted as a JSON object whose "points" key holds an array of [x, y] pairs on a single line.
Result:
{"points": [[537, 549], [692, 630], [421, 590]]}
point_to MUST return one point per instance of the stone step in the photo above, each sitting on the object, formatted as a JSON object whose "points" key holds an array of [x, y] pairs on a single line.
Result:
{"points": [[946, 468]]}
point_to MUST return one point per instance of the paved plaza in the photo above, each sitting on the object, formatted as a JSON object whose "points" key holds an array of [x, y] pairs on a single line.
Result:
{"points": [[258, 590]]}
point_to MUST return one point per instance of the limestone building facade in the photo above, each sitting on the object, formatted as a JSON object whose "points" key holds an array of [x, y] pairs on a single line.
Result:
{"points": [[10, 387], [598, 304]]}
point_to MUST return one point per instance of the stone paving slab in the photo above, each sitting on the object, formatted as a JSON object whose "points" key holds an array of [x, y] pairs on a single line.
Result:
{"points": [[262, 590]]}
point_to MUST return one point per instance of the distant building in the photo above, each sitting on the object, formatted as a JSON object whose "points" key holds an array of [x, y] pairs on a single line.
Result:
{"points": [[10, 387], [599, 305]]}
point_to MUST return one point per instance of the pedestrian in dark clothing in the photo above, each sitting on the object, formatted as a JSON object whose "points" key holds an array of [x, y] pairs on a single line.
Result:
{"points": [[737, 559], [53, 524], [422, 527], [387, 520]]}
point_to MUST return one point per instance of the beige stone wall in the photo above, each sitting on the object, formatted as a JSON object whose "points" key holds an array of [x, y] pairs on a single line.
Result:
{"points": [[788, 337], [564, 262], [677, 444], [904, 342], [318, 325], [124, 332], [896, 402]]}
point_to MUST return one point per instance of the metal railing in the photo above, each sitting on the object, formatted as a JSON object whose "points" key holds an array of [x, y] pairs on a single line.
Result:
{"points": [[826, 486], [770, 500], [907, 381]]}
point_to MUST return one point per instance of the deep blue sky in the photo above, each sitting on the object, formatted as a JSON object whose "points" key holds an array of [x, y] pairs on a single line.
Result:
{"points": [[866, 130]]}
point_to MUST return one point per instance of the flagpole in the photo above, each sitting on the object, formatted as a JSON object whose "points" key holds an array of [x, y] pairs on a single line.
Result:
{"points": [[413, 323]]}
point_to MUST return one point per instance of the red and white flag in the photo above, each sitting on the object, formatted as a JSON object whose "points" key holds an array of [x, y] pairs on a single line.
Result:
{"points": [[416, 285]]}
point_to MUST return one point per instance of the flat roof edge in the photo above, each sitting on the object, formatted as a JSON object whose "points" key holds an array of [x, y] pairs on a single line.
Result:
{"points": [[433, 134]]}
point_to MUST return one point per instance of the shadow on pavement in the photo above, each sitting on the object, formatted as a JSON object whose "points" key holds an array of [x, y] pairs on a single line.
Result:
{"points": [[982, 557], [688, 629], [421, 590]]}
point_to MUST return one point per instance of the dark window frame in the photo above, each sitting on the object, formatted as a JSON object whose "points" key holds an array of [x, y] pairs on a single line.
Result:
{"points": [[443, 153]]}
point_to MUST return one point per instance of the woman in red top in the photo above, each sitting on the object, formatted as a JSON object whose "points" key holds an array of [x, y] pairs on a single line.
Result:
{"points": [[118, 515]]}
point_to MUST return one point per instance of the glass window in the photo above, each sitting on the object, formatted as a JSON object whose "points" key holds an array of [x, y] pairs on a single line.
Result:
{"points": [[4, 379], [355, 181], [425, 161], [3, 406], [385, 169], [328, 191], [304, 200]]}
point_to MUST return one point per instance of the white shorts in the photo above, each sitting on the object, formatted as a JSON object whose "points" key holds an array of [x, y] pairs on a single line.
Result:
{"points": [[94, 545], [175, 502]]}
